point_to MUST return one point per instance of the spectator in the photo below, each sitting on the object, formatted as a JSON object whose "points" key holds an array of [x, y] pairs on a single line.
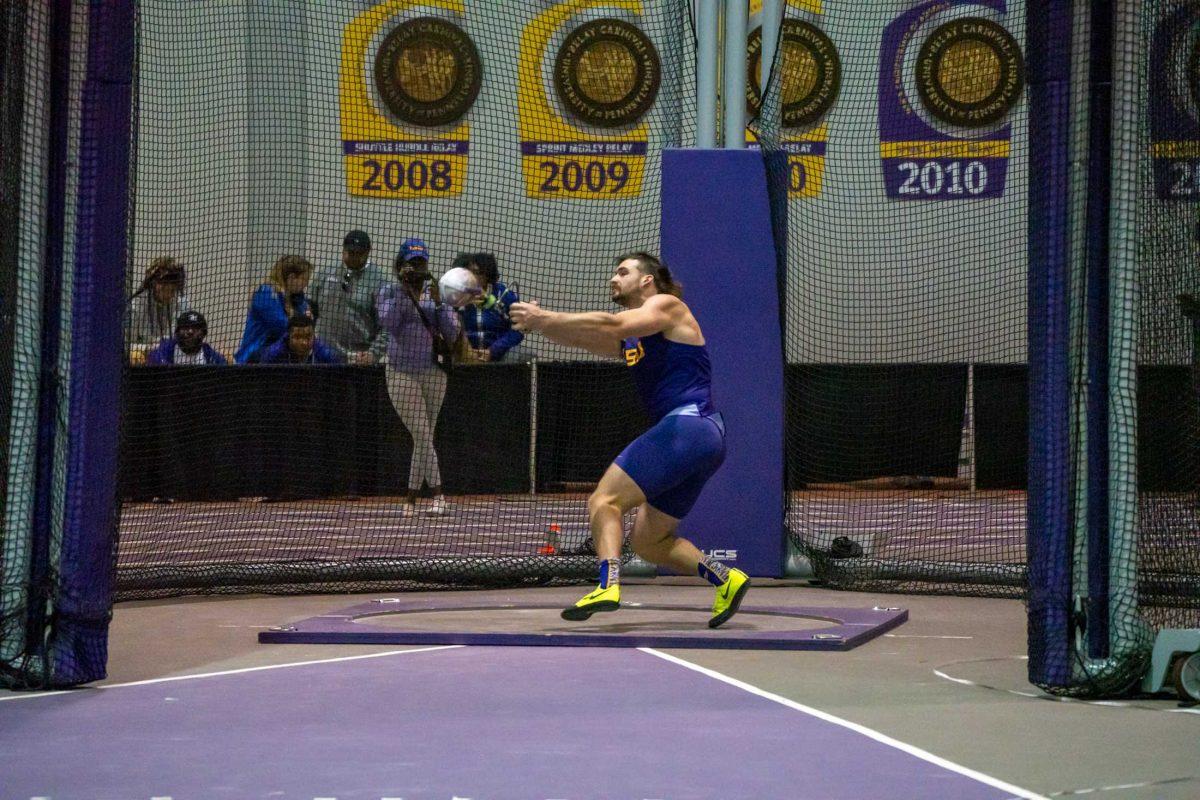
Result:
{"points": [[411, 312], [187, 346], [271, 306], [486, 325], [301, 345], [158, 303], [344, 301]]}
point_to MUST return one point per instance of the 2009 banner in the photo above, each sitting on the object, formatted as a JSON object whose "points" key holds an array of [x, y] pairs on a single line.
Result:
{"points": [[574, 167], [585, 86], [409, 76], [950, 74]]}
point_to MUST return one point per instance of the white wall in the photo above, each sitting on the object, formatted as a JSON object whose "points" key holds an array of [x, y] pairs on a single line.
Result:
{"points": [[233, 170]]}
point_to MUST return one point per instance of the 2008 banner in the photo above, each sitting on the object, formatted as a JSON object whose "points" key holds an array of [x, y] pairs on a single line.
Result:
{"points": [[409, 76], [405, 168]]}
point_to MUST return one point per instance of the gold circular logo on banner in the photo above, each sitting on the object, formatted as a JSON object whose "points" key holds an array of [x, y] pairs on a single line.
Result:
{"points": [[812, 73], [607, 73], [970, 72], [428, 71]]}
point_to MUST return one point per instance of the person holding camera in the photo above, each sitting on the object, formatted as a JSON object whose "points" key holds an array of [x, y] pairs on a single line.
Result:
{"points": [[420, 332]]}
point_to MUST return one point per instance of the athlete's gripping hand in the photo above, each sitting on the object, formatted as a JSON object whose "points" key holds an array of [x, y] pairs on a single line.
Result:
{"points": [[527, 317]]}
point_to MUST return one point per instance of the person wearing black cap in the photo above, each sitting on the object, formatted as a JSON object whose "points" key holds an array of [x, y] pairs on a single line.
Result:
{"points": [[187, 346], [344, 301]]}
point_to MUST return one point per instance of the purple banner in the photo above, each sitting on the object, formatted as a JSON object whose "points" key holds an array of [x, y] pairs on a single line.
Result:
{"points": [[1177, 178], [583, 148], [435, 147], [937, 177]]}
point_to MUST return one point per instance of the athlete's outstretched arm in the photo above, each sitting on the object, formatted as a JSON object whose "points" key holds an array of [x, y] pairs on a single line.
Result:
{"points": [[601, 345], [598, 331]]}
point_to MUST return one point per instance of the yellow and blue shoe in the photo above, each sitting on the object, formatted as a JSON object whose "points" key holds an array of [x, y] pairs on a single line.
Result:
{"points": [[729, 597], [599, 600]]}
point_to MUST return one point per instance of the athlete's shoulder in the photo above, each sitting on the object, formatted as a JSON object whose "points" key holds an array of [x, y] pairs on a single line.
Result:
{"points": [[665, 301], [667, 305]]}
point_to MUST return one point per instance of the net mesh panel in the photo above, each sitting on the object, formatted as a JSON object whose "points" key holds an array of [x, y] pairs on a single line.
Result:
{"points": [[904, 292], [273, 129], [1156, 239], [905, 313], [24, 129], [14, 585]]}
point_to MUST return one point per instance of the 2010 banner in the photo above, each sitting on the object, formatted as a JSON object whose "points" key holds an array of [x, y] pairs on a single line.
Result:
{"points": [[1175, 105], [950, 74]]}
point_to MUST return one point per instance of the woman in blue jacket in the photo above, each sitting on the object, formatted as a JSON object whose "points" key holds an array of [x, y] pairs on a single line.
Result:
{"points": [[272, 305], [485, 322]]}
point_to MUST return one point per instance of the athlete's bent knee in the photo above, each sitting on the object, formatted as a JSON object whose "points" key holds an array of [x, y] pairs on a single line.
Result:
{"points": [[602, 503]]}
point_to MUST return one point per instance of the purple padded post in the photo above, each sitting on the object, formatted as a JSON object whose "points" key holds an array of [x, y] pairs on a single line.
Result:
{"points": [[79, 643], [717, 236]]}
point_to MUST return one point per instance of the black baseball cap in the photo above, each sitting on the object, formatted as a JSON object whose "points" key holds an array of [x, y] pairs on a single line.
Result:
{"points": [[192, 319], [357, 240]]}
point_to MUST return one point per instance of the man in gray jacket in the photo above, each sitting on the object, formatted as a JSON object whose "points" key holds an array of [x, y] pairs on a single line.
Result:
{"points": [[345, 300]]}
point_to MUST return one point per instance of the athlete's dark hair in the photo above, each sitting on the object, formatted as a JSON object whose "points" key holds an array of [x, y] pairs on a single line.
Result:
{"points": [[652, 265]]}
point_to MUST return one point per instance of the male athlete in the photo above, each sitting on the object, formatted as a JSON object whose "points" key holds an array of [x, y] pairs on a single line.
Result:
{"points": [[661, 472]]}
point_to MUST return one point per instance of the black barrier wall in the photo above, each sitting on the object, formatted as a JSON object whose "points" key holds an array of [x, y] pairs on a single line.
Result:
{"points": [[252, 427]]}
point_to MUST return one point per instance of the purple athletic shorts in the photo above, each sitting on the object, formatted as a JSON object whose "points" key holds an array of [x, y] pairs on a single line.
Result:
{"points": [[673, 460]]}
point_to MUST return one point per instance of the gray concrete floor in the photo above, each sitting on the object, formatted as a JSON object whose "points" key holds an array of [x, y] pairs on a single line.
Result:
{"points": [[950, 681]]}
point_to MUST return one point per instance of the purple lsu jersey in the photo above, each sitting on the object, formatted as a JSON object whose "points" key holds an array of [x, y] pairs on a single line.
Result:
{"points": [[669, 374]]}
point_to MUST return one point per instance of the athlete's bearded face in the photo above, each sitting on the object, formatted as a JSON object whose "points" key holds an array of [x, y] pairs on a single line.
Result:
{"points": [[626, 283]]}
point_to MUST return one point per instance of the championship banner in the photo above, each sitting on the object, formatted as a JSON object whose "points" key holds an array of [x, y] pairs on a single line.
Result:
{"points": [[1175, 105], [587, 77], [812, 77], [948, 81], [408, 78]]}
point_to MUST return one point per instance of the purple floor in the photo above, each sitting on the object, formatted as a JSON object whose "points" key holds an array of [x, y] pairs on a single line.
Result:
{"points": [[480, 723]]}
